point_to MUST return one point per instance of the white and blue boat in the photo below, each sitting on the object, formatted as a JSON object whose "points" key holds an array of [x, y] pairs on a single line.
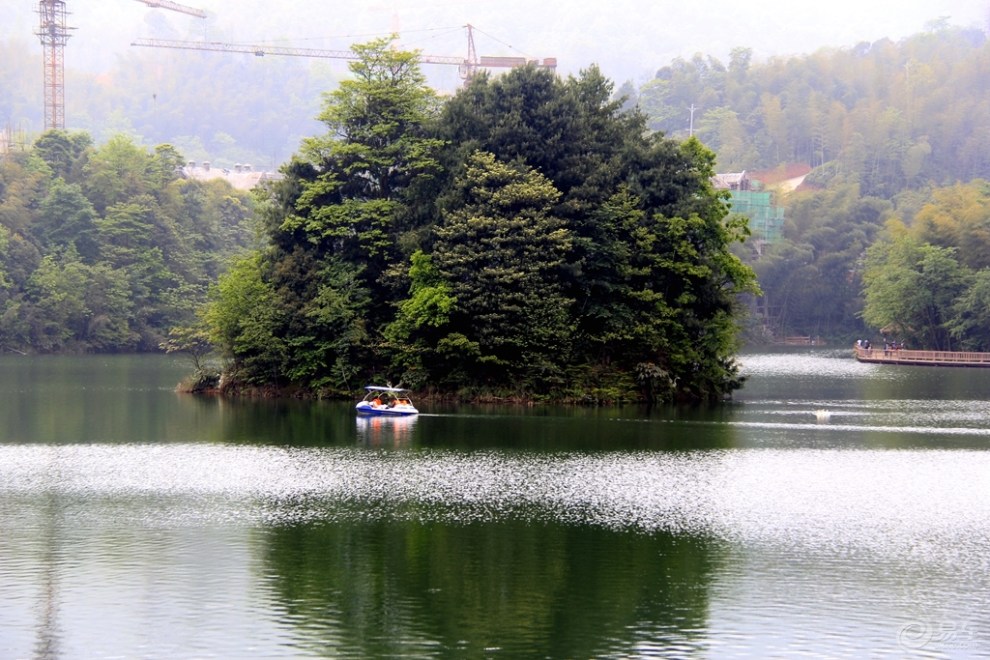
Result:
{"points": [[386, 401]]}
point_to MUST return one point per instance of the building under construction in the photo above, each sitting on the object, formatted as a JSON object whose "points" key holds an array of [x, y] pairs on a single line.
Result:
{"points": [[766, 220]]}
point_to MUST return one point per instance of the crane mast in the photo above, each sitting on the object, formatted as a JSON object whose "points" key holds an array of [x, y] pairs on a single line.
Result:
{"points": [[54, 33]]}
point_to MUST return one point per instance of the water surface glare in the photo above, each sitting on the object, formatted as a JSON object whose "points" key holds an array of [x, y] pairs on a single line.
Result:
{"points": [[895, 503]]}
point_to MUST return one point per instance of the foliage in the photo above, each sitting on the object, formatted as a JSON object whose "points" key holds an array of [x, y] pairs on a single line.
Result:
{"points": [[927, 283], [500, 249], [811, 279], [243, 318], [336, 224], [526, 233], [99, 253], [194, 341], [887, 126], [910, 290]]}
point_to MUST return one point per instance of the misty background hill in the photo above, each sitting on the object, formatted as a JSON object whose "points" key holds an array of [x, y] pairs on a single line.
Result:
{"points": [[239, 108]]}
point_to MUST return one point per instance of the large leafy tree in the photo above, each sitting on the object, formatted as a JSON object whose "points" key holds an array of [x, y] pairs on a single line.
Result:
{"points": [[244, 319], [63, 152], [68, 219], [359, 175], [911, 290], [337, 221], [116, 172]]}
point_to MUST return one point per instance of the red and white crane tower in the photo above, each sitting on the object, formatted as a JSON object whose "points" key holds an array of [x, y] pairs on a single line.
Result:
{"points": [[54, 33]]}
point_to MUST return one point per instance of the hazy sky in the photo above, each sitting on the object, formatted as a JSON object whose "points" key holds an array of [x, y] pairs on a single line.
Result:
{"points": [[628, 39]]}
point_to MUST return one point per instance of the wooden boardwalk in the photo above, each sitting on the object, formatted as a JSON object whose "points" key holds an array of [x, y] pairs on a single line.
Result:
{"points": [[922, 358]]}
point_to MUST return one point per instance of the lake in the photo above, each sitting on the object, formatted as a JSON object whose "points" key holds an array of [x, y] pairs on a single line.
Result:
{"points": [[832, 509]]}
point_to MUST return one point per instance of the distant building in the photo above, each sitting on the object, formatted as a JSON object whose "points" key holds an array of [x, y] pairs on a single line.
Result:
{"points": [[748, 198], [241, 177], [731, 181]]}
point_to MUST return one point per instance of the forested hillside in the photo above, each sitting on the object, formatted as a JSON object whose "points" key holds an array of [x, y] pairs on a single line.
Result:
{"points": [[105, 248], [928, 284], [896, 133], [886, 116], [891, 130]]}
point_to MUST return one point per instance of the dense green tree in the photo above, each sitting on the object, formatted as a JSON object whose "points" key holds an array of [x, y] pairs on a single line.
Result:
{"points": [[337, 221], [361, 171], [500, 250], [63, 152], [116, 172], [23, 181], [244, 318], [420, 327], [911, 290], [339, 310], [68, 219], [57, 291], [110, 311]]}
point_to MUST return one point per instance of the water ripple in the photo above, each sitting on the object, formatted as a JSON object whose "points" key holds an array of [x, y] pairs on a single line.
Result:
{"points": [[926, 504]]}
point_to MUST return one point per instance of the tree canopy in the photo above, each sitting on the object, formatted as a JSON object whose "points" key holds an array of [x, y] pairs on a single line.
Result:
{"points": [[105, 248], [927, 283], [526, 237]]}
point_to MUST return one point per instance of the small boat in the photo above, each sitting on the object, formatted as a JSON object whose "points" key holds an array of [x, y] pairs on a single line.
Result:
{"points": [[389, 401]]}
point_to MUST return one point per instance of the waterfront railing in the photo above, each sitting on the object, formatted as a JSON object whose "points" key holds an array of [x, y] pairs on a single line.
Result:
{"points": [[933, 358]]}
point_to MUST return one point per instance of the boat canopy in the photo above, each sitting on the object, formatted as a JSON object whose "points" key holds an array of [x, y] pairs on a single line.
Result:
{"points": [[378, 388]]}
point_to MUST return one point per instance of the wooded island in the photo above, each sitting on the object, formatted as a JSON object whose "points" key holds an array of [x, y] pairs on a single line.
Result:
{"points": [[525, 238]]}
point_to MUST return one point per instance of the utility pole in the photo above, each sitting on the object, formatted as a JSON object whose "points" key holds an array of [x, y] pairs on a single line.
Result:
{"points": [[691, 125]]}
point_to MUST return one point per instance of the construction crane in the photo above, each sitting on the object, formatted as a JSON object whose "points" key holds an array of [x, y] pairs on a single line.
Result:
{"points": [[467, 66], [54, 33]]}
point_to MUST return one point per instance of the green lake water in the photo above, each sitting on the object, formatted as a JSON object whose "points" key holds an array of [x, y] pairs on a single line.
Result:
{"points": [[832, 509]]}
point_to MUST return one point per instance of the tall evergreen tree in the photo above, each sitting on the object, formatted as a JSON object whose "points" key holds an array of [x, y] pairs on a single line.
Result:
{"points": [[501, 251]]}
